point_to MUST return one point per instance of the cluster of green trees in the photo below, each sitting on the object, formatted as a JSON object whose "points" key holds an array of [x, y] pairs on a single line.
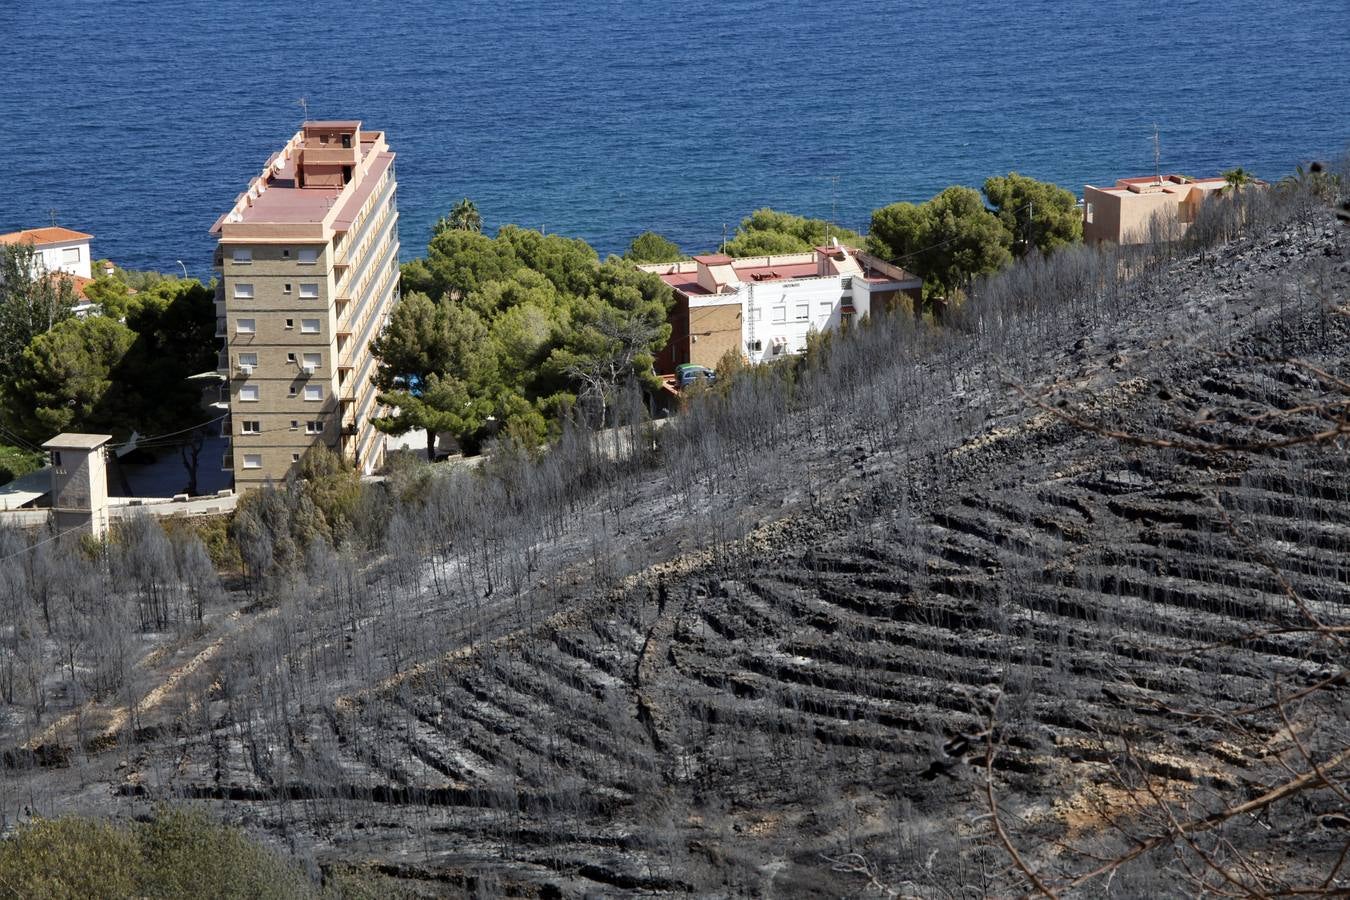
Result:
{"points": [[505, 334], [950, 239], [122, 369]]}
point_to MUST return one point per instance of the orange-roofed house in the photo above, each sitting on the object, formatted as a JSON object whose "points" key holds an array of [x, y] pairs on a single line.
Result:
{"points": [[55, 249]]}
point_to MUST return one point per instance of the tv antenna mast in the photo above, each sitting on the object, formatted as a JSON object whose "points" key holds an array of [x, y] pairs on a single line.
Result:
{"points": [[834, 205], [1157, 155], [52, 213], [304, 108]]}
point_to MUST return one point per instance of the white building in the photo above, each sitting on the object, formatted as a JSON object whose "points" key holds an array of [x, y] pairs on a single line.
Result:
{"points": [[765, 306], [55, 249]]}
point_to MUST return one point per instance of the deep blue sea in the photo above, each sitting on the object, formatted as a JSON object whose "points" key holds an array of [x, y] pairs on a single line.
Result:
{"points": [[140, 120]]}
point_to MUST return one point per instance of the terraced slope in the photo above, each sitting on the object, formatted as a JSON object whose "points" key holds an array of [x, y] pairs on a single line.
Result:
{"points": [[796, 712], [740, 725]]}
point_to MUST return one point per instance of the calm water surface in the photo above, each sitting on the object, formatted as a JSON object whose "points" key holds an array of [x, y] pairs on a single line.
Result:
{"points": [[140, 120]]}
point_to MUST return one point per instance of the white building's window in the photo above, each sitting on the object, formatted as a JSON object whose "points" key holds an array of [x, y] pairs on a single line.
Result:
{"points": [[309, 291], [780, 314], [295, 423], [826, 309], [290, 323], [248, 359], [248, 393], [309, 326], [315, 427], [251, 426], [70, 255], [803, 311], [295, 457], [242, 256], [286, 288], [313, 392], [243, 291], [245, 326], [252, 460], [757, 314], [313, 359], [308, 256]]}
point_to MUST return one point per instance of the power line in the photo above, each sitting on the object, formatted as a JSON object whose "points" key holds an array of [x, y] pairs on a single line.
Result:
{"points": [[141, 442], [32, 547]]}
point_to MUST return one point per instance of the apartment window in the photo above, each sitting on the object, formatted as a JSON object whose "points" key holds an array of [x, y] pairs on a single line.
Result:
{"points": [[291, 392], [826, 309], [314, 392], [248, 393], [251, 426], [245, 326], [309, 291], [346, 142], [290, 357], [248, 359], [295, 424], [754, 346], [756, 315], [295, 457], [308, 256], [285, 252], [313, 359], [252, 460], [56, 458], [803, 311], [315, 427], [286, 288], [290, 323], [243, 291], [70, 255], [309, 326], [242, 256], [1087, 213], [780, 314]]}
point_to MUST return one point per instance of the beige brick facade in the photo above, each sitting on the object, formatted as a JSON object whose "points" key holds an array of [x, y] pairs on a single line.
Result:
{"points": [[308, 259]]}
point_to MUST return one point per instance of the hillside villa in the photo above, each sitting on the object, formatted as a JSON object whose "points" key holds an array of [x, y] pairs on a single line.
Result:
{"points": [[764, 306]]}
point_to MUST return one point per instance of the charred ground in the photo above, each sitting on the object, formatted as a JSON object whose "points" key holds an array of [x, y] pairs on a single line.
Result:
{"points": [[776, 657]]}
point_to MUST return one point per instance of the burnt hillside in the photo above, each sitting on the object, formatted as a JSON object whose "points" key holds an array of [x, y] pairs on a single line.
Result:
{"points": [[778, 660]]}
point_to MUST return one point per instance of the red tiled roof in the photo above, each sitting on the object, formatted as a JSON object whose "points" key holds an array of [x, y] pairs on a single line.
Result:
{"points": [[41, 237]]}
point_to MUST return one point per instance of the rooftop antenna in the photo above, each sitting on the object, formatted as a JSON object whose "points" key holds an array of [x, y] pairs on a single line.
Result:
{"points": [[1157, 155], [304, 109], [834, 206], [723, 248], [52, 213]]}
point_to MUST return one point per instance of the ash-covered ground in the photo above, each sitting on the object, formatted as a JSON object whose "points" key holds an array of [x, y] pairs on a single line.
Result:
{"points": [[785, 672]]}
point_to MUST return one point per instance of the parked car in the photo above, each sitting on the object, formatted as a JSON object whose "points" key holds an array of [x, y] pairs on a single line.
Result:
{"points": [[687, 374]]}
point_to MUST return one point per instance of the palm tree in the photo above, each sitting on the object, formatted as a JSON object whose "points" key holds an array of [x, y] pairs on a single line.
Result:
{"points": [[1237, 179], [464, 216]]}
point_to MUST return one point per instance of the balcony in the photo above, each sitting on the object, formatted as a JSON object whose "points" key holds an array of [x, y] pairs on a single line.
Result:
{"points": [[222, 326], [218, 259]]}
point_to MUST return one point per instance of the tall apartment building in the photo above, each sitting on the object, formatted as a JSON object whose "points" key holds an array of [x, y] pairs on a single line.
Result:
{"points": [[308, 258], [765, 306]]}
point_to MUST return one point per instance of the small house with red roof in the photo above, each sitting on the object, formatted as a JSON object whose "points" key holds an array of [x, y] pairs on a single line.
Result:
{"points": [[765, 306]]}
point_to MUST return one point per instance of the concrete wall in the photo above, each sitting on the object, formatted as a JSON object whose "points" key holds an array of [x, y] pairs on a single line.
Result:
{"points": [[713, 330], [51, 258]]}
